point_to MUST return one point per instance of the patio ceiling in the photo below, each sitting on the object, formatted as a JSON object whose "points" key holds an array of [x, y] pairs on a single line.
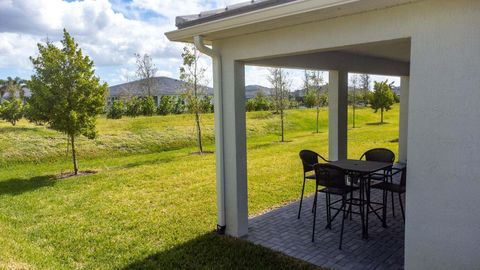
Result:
{"points": [[387, 58]]}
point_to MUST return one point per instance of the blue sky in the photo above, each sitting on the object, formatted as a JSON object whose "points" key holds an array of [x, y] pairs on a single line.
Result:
{"points": [[109, 31]]}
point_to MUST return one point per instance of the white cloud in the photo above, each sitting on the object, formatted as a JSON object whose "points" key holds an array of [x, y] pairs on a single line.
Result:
{"points": [[13, 48], [108, 36], [110, 32]]}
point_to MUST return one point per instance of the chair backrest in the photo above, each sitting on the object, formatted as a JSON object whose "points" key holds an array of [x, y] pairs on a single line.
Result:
{"points": [[309, 158], [329, 175], [379, 155]]}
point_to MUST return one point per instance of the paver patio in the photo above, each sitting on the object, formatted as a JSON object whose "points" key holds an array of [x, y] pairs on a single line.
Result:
{"points": [[280, 230]]}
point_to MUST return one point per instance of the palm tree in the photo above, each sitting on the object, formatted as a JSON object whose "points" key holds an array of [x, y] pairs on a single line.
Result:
{"points": [[3, 89], [12, 87]]}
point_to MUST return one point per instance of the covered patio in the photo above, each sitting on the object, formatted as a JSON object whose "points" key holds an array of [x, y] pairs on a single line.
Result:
{"points": [[429, 45], [280, 230]]}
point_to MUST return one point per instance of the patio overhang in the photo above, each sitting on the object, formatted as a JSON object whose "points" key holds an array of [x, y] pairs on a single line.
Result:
{"points": [[281, 14], [384, 58]]}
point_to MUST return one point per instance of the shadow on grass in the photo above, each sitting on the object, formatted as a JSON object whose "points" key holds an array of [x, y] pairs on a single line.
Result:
{"points": [[147, 162], [17, 186], [260, 146], [211, 251], [18, 129], [377, 124]]}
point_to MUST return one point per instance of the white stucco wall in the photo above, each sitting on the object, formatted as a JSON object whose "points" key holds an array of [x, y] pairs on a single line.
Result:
{"points": [[443, 191]]}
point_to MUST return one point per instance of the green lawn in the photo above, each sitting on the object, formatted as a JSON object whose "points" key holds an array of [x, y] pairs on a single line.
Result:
{"points": [[152, 203]]}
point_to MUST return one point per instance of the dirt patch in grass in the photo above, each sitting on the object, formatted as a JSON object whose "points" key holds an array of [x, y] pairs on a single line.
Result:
{"points": [[285, 141], [66, 175], [377, 123], [202, 153]]}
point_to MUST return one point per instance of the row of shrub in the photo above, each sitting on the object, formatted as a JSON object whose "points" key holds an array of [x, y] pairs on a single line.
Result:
{"points": [[145, 106]]}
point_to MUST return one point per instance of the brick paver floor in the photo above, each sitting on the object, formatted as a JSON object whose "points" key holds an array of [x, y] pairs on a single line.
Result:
{"points": [[280, 230]]}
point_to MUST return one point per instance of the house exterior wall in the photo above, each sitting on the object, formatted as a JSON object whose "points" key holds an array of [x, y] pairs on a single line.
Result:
{"points": [[442, 204]]}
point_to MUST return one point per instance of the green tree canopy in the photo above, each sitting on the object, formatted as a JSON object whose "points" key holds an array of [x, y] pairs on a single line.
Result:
{"points": [[116, 110], [66, 94], [11, 110], [166, 105], [382, 98]]}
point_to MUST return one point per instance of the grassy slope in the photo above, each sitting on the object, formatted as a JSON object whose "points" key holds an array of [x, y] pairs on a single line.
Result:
{"points": [[151, 208]]}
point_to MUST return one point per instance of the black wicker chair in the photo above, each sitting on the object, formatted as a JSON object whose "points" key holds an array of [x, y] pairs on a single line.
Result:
{"points": [[309, 159], [381, 155], [332, 178], [399, 188]]}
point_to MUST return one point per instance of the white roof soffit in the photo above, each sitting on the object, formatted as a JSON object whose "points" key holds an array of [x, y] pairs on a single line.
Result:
{"points": [[296, 12]]}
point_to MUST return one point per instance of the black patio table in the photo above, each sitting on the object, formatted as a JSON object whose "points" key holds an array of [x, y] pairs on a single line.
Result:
{"points": [[363, 170]]}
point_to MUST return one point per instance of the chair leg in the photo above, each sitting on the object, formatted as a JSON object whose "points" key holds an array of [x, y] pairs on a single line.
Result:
{"points": [[327, 206], [401, 206], [393, 205], [350, 206], [301, 199], [343, 220], [329, 211], [314, 214], [384, 208]]}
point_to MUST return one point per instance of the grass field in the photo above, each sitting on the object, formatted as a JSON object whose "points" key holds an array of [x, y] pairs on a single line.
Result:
{"points": [[152, 203]]}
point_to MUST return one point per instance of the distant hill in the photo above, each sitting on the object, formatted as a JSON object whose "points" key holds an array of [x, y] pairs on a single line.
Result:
{"points": [[172, 87], [252, 90], [163, 86]]}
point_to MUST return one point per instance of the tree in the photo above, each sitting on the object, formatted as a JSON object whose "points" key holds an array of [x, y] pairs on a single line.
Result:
{"points": [[365, 82], [116, 110], [193, 77], [314, 96], [278, 79], [133, 107], [146, 71], [354, 81], [178, 105], [258, 103], [66, 94], [15, 87], [250, 105], [148, 106], [310, 95], [3, 89], [261, 102], [11, 110], [382, 98], [166, 105], [207, 104], [32, 112]]}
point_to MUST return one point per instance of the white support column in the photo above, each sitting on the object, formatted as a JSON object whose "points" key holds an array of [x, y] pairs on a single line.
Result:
{"points": [[232, 154], [403, 123], [337, 114]]}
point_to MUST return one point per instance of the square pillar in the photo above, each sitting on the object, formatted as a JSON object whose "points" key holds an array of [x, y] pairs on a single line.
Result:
{"points": [[403, 123], [337, 114], [231, 153]]}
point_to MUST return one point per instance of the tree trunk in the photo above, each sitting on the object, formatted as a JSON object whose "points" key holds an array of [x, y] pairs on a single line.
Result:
{"points": [[353, 109], [74, 155], [281, 119], [199, 133], [381, 115], [318, 114]]}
